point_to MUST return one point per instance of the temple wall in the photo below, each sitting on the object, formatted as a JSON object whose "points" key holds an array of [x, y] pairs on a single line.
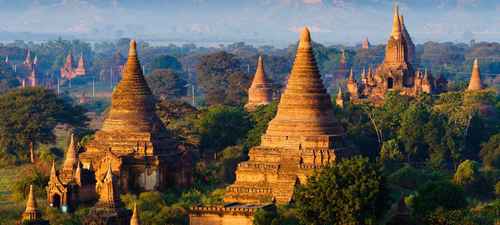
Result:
{"points": [[216, 219], [149, 180]]}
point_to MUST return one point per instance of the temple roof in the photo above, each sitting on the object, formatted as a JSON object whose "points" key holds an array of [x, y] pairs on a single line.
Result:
{"points": [[132, 104], [71, 155], [475, 82], [305, 108]]}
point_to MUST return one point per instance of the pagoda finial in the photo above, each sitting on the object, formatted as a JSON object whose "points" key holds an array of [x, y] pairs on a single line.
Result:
{"points": [[133, 48], [351, 75], [396, 23], [134, 220], [53, 170], [475, 82], [305, 38], [31, 213]]}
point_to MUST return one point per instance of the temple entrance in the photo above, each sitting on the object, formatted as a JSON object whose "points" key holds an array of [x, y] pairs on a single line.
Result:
{"points": [[56, 201], [390, 83]]}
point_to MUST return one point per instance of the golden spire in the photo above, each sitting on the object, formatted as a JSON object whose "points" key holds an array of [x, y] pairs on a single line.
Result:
{"points": [[351, 75], [31, 213], [53, 170], [339, 94], [396, 24], [132, 104], [135, 216], [475, 82], [71, 155], [305, 107], [108, 195]]}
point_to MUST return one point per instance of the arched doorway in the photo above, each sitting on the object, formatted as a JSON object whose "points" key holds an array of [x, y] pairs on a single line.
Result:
{"points": [[56, 201], [390, 83]]}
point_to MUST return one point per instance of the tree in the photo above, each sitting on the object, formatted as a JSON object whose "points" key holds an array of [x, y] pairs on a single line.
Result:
{"points": [[390, 152], [222, 126], [29, 117], [490, 153], [350, 191], [221, 78], [166, 84], [166, 62], [469, 177], [260, 118], [439, 194], [7, 78]]}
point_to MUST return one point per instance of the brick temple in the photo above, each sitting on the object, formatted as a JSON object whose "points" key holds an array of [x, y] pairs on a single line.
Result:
{"points": [[397, 72], [133, 149], [304, 136], [261, 91]]}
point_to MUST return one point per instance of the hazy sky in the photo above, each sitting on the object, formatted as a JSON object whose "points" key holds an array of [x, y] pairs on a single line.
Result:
{"points": [[254, 21]]}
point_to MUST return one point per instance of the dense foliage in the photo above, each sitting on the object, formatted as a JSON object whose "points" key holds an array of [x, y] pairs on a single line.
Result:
{"points": [[351, 191], [29, 117]]}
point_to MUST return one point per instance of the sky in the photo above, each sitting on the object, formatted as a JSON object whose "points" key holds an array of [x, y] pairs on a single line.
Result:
{"points": [[260, 22]]}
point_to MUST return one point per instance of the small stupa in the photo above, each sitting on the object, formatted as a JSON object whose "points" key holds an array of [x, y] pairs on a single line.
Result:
{"points": [[475, 82], [260, 92]]}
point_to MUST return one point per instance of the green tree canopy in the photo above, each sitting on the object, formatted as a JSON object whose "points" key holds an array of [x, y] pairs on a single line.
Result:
{"points": [[439, 194], [222, 79], [222, 126], [350, 191], [166, 62], [490, 153], [29, 117], [166, 84]]}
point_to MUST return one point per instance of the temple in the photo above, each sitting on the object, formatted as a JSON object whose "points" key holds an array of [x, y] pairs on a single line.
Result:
{"points": [[396, 73], [144, 156], [303, 136], [32, 214], [68, 72], [475, 82], [133, 146], [108, 209], [72, 184], [260, 92]]}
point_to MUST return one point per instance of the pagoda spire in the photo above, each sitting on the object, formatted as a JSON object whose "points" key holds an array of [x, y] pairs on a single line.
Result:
{"points": [[31, 214], [71, 155], [134, 220], [475, 82], [108, 193], [351, 75], [132, 104], [305, 107], [260, 92], [396, 24]]}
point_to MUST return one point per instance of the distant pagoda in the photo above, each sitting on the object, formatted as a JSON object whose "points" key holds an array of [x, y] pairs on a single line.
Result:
{"points": [[260, 92], [68, 72], [475, 82], [397, 72]]}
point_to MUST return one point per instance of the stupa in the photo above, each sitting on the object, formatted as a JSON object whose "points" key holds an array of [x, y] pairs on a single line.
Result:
{"points": [[32, 214], [475, 82], [260, 92], [142, 153], [304, 136]]}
